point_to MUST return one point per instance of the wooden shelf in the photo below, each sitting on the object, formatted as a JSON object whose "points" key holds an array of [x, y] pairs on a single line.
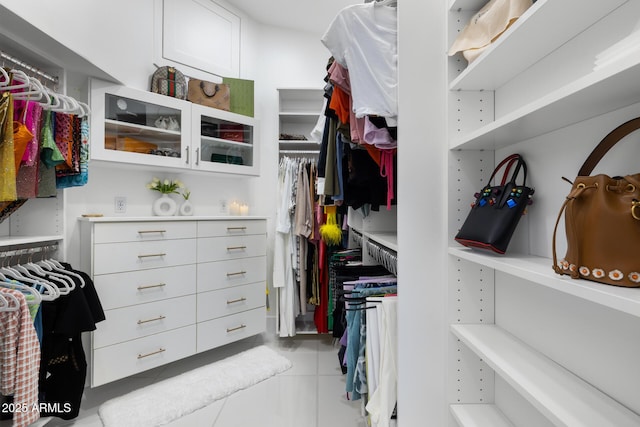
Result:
{"points": [[597, 93], [514, 51], [538, 270], [561, 396], [479, 415]]}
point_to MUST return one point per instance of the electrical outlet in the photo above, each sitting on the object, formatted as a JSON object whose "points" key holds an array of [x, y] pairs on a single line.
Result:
{"points": [[120, 205], [223, 206]]}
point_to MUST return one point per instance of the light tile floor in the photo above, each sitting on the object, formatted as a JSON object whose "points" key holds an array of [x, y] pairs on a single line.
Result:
{"points": [[310, 394]]}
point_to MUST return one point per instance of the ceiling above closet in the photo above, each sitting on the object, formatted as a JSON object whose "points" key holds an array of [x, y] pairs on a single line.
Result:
{"points": [[302, 15]]}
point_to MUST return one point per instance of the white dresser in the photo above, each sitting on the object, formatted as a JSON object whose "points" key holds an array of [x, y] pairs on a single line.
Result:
{"points": [[172, 287]]}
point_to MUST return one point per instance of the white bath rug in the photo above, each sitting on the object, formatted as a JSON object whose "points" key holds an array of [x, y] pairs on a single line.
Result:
{"points": [[170, 399]]}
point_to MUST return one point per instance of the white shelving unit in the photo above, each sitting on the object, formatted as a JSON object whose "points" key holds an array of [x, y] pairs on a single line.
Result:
{"points": [[298, 113], [527, 346], [563, 397]]}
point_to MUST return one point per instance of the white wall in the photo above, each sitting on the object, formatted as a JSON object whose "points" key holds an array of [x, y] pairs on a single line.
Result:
{"points": [[422, 209], [121, 44]]}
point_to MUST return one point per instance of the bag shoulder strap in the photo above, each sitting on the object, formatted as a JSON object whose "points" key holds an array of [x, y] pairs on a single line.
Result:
{"points": [[605, 145]]}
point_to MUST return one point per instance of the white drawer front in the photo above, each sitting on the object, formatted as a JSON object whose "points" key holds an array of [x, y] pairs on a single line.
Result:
{"points": [[121, 360], [132, 256], [124, 324], [231, 228], [224, 274], [137, 287], [143, 231], [221, 248], [225, 330], [224, 302]]}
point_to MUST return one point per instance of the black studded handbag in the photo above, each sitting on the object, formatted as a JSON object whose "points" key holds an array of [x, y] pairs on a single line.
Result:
{"points": [[497, 209]]}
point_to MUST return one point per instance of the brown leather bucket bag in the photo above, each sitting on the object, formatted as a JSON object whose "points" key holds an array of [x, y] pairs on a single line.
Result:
{"points": [[602, 222]]}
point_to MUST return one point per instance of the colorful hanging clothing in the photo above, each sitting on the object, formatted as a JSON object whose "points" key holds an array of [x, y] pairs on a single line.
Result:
{"points": [[7, 158], [81, 178]]}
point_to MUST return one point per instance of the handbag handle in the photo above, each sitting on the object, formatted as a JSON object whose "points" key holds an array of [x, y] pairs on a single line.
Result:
{"points": [[605, 145], [509, 161], [204, 91]]}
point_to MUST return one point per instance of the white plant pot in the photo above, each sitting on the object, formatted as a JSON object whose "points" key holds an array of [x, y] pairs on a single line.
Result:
{"points": [[164, 206]]}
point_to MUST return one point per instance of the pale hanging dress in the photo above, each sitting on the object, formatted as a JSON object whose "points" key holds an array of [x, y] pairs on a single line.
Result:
{"points": [[283, 279]]}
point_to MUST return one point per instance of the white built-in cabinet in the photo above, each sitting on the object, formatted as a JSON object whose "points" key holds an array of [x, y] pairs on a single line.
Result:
{"points": [[171, 288], [298, 112], [527, 347], [139, 127]]}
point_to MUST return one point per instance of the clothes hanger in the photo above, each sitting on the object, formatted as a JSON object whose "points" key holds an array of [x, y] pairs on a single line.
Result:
{"points": [[6, 79], [391, 3], [55, 266], [18, 80], [24, 289], [9, 307]]}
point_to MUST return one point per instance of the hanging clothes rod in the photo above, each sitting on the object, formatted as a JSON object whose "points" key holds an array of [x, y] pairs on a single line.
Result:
{"points": [[299, 151], [30, 248], [30, 68], [386, 257]]}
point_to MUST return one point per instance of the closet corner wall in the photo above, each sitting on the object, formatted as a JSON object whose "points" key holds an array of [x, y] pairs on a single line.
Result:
{"points": [[525, 346]]}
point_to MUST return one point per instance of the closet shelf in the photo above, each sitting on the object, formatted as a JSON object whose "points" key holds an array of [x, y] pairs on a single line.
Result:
{"points": [[388, 239], [6, 241], [479, 415], [538, 270], [561, 396], [597, 93], [514, 51]]}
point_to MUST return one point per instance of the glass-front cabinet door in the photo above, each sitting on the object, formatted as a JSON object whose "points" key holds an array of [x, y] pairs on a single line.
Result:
{"points": [[224, 141], [133, 126]]}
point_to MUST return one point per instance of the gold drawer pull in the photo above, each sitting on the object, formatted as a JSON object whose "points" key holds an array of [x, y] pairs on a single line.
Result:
{"points": [[236, 228], [140, 322], [151, 255], [239, 273], [142, 356], [236, 248], [236, 300], [152, 231], [159, 285], [236, 328]]}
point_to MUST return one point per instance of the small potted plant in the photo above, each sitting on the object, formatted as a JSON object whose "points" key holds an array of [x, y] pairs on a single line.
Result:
{"points": [[186, 208], [165, 205]]}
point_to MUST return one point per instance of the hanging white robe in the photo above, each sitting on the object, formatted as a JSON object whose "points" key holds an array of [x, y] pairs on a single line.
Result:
{"points": [[283, 264]]}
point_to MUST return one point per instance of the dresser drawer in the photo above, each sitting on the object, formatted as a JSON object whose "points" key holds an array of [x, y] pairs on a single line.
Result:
{"points": [[225, 330], [137, 287], [231, 228], [121, 360], [214, 304], [132, 256], [225, 274], [222, 248], [143, 231], [124, 324]]}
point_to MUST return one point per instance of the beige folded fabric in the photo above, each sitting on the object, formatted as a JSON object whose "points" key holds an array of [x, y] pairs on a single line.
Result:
{"points": [[487, 25]]}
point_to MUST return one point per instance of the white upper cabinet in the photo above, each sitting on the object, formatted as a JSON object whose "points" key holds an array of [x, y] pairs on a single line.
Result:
{"points": [[144, 128], [198, 34]]}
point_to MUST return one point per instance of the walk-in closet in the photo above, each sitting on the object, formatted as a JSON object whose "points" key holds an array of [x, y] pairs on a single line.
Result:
{"points": [[247, 213]]}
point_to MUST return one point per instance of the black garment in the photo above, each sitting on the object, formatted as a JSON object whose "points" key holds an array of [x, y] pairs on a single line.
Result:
{"points": [[63, 365], [362, 181]]}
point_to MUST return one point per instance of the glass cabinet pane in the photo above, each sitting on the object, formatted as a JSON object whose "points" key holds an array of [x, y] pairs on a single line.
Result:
{"points": [[222, 141], [142, 127]]}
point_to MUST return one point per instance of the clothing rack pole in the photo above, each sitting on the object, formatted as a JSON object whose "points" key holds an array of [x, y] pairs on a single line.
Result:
{"points": [[29, 249], [30, 68], [386, 257]]}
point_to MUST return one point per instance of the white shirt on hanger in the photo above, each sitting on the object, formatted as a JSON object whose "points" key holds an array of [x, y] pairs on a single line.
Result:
{"points": [[363, 39]]}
